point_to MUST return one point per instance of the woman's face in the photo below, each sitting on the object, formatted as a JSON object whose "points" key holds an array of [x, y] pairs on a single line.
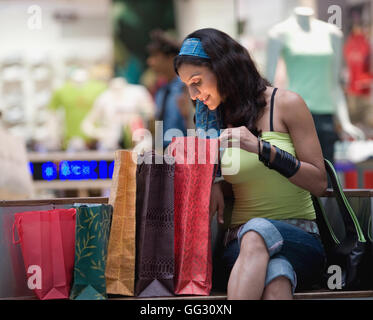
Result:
{"points": [[201, 83]]}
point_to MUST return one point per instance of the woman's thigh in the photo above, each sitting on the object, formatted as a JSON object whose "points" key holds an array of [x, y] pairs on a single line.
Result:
{"points": [[303, 251]]}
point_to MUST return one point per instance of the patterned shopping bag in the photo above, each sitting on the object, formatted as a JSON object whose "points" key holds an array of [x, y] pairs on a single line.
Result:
{"points": [[195, 160], [155, 226], [93, 223]]}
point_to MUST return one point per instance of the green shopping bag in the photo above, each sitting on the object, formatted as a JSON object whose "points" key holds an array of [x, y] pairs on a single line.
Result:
{"points": [[93, 222]]}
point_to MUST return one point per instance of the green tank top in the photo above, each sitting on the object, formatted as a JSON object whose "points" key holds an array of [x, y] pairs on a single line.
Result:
{"points": [[310, 70], [263, 192]]}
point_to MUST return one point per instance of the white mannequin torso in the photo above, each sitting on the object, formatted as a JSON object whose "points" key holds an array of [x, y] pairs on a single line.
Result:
{"points": [[303, 40], [121, 105], [303, 35]]}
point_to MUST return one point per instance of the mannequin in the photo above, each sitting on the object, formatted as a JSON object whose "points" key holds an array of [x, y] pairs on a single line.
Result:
{"points": [[121, 106], [76, 98], [312, 51]]}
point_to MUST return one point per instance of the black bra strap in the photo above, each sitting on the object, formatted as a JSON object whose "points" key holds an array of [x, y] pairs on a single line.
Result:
{"points": [[271, 110]]}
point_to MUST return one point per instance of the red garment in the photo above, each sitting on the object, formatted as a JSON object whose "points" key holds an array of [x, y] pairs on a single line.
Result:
{"points": [[357, 52]]}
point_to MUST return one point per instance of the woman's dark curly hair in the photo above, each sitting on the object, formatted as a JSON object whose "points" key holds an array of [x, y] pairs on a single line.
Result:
{"points": [[238, 80]]}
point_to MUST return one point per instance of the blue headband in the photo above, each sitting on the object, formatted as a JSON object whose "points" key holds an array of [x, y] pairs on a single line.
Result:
{"points": [[193, 47]]}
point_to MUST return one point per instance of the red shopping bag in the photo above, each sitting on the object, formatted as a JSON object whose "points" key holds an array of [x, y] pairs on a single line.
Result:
{"points": [[194, 169], [48, 248]]}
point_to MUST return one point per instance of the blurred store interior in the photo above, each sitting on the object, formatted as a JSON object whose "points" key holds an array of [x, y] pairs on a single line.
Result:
{"points": [[75, 82]]}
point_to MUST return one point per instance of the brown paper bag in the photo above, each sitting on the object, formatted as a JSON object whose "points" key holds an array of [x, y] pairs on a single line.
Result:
{"points": [[120, 266]]}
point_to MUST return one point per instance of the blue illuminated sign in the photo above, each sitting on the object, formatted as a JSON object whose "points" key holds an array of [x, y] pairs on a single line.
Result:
{"points": [[72, 170], [78, 170], [49, 171]]}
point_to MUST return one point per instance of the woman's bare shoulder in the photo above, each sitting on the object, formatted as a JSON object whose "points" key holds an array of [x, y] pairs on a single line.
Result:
{"points": [[290, 102], [288, 99], [291, 107]]}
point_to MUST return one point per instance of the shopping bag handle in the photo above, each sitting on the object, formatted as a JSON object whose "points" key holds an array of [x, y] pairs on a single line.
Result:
{"points": [[345, 207], [171, 148], [139, 166], [16, 223], [347, 213]]}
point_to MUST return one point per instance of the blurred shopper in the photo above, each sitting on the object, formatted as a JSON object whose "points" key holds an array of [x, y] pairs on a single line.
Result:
{"points": [[162, 49], [15, 178], [272, 245], [117, 113], [357, 55]]}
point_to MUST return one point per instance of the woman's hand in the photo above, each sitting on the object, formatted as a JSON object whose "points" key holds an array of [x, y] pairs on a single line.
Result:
{"points": [[240, 137], [217, 202]]}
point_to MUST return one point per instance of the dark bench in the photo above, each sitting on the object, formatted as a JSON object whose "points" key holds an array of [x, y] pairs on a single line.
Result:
{"points": [[13, 276]]}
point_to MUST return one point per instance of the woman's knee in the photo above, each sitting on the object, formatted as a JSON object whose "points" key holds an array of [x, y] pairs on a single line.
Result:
{"points": [[260, 232], [252, 243]]}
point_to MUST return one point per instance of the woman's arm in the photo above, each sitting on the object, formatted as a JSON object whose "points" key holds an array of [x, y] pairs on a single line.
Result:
{"points": [[297, 118], [217, 202]]}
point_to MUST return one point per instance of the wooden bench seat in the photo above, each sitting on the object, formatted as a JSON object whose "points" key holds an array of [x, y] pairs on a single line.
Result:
{"points": [[306, 295], [15, 287]]}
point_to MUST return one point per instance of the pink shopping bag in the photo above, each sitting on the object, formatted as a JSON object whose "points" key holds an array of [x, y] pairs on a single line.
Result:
{"points": [[47, 241]]}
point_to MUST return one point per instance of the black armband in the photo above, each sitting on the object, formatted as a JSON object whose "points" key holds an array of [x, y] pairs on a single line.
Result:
{"points": [[264, 154], [285, 163]]}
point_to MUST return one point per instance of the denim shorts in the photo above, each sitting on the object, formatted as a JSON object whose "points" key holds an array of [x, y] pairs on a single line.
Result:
{"points": [[294, 253]]}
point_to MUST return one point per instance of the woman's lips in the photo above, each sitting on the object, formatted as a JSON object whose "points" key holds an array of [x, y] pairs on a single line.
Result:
{"points": [[204, 101]]}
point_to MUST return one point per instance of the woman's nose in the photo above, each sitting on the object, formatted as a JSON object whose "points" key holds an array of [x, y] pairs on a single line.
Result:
{"points": [[193, 92]]}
